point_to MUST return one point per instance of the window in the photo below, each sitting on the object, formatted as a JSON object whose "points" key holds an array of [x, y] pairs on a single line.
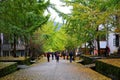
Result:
{"points": [[117, 40], [114, 42]]}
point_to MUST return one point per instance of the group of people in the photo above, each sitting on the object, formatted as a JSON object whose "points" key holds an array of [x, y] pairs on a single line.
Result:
{"points": [[67, 55], [70, 55], [56, 55]]}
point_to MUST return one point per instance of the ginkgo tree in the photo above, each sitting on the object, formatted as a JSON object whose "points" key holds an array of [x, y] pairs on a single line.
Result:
{"points": [[51, 37], [86, 17], [20, 18]]}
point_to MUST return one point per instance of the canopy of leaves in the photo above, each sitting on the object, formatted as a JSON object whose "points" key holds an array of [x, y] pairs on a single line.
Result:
{"points": [[88, 15], [51, 37], [22, 17]]}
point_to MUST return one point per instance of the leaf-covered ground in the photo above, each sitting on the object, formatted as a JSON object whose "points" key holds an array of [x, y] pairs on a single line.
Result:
{"points": [[64, 70]]}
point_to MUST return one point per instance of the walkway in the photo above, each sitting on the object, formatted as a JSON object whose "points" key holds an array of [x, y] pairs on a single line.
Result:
{"points": [[53, 71]]}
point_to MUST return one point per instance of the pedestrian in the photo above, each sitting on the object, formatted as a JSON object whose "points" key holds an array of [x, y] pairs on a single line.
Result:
{"points": [[118, 52], [57, 56], [95, 52], [71, 56], [52, 55], [107, 51], [67, 55], [63, 54], [48, 57]]}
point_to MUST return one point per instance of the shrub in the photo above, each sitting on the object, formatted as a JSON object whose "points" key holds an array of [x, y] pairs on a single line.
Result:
{"points": [[108, 69], [8, 68], [87, 60]]}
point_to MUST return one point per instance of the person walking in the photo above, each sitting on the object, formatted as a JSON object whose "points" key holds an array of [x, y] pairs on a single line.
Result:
{"points": [[63, 54], [71, 56], [67, 55], [57, 56], [48, 57], [107, 51], [52, 55], [118, 52]]}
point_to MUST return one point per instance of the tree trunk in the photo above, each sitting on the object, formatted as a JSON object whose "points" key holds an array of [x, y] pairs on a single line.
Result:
{"points": [[0, 44], [14, 46], [26, 48], [98, 43], [85, 48]]}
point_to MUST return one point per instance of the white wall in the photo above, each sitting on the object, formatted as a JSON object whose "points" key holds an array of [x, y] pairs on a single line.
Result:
{"points": [[111, 45], [111, 38]]}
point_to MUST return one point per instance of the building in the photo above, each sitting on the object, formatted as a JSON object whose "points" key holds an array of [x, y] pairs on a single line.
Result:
{"points": [[6, 47], [112, 41]]}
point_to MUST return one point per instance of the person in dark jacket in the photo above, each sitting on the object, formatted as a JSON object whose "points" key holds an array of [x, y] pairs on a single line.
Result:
{"points": [[107, 51], [71, 56], [63, 54], [118, 51], [52, 55], [48, 57], [57, 56]]}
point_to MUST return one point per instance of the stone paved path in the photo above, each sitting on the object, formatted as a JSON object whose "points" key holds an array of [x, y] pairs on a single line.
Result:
{"points": [[52, 71]]}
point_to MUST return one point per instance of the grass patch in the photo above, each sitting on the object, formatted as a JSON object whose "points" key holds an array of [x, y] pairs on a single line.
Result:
{"points": [[87, 59]]}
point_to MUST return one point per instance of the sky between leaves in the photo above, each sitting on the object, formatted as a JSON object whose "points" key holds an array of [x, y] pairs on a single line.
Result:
{"points": [[59, 5]]}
